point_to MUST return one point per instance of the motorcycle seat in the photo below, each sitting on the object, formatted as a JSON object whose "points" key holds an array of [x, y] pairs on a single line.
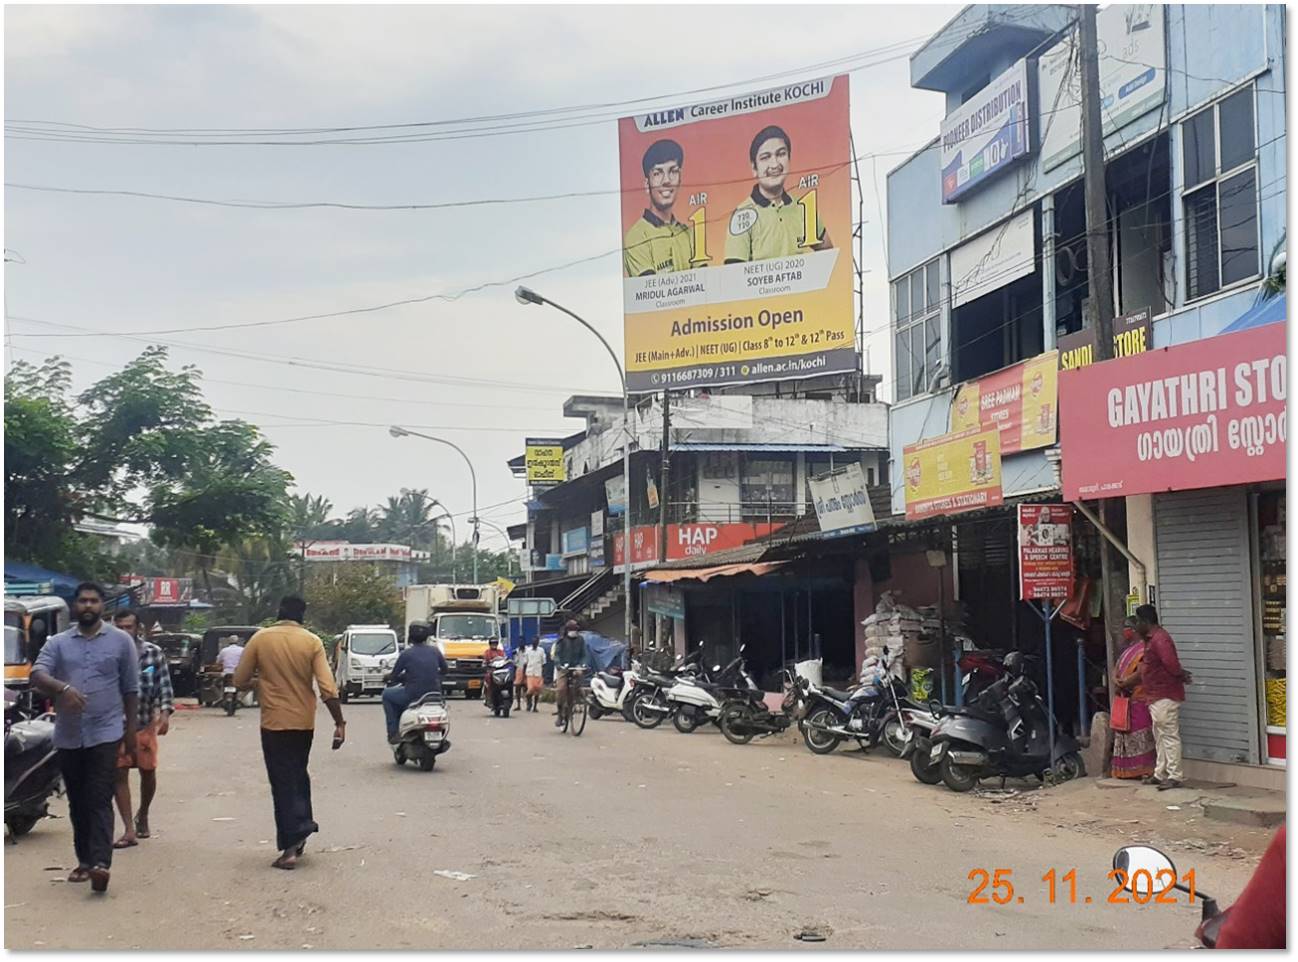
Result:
{"points": [[836, 693], [613, 681], [973, 711], [432, 698]]}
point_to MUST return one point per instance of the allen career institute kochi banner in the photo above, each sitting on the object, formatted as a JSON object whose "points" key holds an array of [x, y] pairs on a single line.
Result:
{"points": [[1201, 415], [736, 239], [1021, 401]]}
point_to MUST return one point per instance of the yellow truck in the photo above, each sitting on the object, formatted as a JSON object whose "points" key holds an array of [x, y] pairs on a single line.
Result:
{"points": [[462, 620]]}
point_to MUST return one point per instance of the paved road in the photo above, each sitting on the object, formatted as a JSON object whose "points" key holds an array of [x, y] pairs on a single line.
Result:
{"points": [[620, 837]]}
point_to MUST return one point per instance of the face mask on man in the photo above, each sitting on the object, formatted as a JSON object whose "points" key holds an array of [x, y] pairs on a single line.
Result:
{"points": [[572, 634]]}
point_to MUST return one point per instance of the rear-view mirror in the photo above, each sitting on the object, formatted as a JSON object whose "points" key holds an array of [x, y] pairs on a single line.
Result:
{"points": [[1141, 866]]}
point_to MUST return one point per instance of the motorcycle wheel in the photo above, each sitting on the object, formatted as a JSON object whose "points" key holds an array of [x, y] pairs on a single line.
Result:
{"points": [[893, 738], [596, 711], [628, 706], [643, 716], [506, 709], [401, 758], [20, 824], [923, 770], [820, 742], [427, 762], [230, 706], [734, 722], [686, 719], [342, 694], [958, 778], [1069, 766]]}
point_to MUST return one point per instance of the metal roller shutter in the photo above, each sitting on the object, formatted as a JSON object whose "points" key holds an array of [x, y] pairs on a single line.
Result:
{"points": [[1205, 600]]}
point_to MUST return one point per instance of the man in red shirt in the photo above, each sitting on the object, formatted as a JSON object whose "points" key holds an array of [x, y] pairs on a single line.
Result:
{"points": [[1164, 682]]}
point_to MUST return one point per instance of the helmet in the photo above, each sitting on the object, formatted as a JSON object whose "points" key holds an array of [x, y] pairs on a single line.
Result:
{"points": [[1014, 662], [417, 632]]}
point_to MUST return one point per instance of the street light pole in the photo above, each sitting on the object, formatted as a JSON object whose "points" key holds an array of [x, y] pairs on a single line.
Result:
{"points": [[525, 295], [400, 432]]}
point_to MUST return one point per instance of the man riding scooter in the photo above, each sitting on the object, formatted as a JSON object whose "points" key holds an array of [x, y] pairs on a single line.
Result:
{"points": [[417, 672]]}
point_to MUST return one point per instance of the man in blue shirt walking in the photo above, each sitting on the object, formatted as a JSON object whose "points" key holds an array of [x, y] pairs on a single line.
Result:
{"points": [[92, 673], [417, 672]]}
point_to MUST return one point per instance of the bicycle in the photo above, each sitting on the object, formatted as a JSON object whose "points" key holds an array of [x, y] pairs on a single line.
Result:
{"points": [[573, 714]]}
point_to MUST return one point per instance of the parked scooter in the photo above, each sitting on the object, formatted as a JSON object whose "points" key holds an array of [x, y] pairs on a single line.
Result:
{"points": [[614, 690], [423, 732], [1146, 872], [746, 716], [922, 722], [500, 685], [32, 774], [696, 699], [1005, 733]]}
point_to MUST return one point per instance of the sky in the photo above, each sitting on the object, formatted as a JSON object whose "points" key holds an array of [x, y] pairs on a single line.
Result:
{"points": [[479, 370]]}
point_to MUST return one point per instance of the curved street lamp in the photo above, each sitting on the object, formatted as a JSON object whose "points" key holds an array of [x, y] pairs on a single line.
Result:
{"points": [[400, 432], [525, 295]]}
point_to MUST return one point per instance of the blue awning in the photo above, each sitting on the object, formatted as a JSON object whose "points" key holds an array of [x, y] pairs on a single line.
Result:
{"points": [[64, 585], [1270, 311]]}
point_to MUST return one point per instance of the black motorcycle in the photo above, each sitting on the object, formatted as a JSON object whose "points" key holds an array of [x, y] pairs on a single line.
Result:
{"points": [[1004, 733], [745, 715], [870, 713], [32, 774]]}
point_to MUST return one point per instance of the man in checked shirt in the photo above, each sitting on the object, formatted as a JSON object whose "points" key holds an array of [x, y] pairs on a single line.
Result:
{"points": [[154, 719]]}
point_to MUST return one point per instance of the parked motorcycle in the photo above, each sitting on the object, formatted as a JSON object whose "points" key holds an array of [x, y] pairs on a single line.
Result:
{"points": [[922, 722], [614, 691], [1145, 871], [978, 670], [871, 713], [32, 774], [500, 685], [423, 732], [649, 707], [746, 716], [1005, 733]]}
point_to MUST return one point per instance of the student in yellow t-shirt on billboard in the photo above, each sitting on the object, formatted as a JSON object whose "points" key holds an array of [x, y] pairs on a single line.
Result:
{"points": [[770, 223], [658, 243]]}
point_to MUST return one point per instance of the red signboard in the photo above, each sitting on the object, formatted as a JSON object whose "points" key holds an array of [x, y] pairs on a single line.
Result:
{"points": [[1045, 551], [1200, 415], [688, 540]]}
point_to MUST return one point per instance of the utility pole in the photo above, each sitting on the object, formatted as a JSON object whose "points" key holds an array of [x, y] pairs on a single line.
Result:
{"points": [[1099, 269], [1099, 272], [662, 484]]}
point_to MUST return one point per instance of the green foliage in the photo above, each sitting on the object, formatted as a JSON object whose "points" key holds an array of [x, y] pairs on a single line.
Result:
{"points": [[140, 445], [196, 622], [352, 595]]}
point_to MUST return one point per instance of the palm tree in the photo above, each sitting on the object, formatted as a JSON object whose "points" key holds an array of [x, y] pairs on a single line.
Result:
{"points": [[310, 516]]}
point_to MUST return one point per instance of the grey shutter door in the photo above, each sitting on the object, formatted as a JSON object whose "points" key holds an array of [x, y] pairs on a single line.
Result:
{"points": [[1205, 601]]}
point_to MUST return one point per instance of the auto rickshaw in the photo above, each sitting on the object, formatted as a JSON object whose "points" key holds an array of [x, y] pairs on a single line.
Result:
{"points": [[29, 621], [211, 681]]}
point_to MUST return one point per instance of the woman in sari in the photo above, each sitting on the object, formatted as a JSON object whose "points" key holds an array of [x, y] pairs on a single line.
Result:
{"points": [[1134, 753]]}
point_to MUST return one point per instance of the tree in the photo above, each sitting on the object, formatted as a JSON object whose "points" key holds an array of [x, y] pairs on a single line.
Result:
{"points": [[141, 446], [352, 594], [310, 517]]}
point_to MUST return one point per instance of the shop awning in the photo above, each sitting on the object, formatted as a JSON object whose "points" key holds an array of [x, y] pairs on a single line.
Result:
{"points": [[663, 575], [1270, 311], [774, 448]]}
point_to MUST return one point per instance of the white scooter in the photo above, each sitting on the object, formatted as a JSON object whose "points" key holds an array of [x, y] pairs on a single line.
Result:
{"points": [[423, 732], [614, 691], [694, 700]]}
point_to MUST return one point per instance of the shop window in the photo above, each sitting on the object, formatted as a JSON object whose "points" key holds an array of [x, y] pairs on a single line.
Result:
{"points": [[1220, 197], [917, 309], [718, 466], [766, 487]]}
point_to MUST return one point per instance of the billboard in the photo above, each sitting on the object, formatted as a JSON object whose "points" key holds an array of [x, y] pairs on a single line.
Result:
{"points": [[1133, 70], [1021, 401], [544, 459], [1045, 551], [986, 134], [842, 499], [1202, 415], [346, 551], [953, 473], [688, 540], [736, 230]]}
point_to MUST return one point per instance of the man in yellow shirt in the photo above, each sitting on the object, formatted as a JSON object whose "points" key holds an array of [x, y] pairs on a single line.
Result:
{"points": [[769, 223], [286, 658], [658, 243]]}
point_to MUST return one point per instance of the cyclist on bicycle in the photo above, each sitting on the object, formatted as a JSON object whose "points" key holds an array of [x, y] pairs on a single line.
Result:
{"points": [[569, 652]]}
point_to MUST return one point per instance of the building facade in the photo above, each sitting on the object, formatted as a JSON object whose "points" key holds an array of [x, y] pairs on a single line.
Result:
{"points": [[987, 251]]}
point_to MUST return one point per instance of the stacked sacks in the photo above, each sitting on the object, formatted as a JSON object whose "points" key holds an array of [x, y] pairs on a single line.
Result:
{"points": [[895, 626]]}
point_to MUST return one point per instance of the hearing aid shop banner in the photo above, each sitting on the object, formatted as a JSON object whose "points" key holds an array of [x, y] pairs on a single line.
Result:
{"points": [[736, 239]]}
